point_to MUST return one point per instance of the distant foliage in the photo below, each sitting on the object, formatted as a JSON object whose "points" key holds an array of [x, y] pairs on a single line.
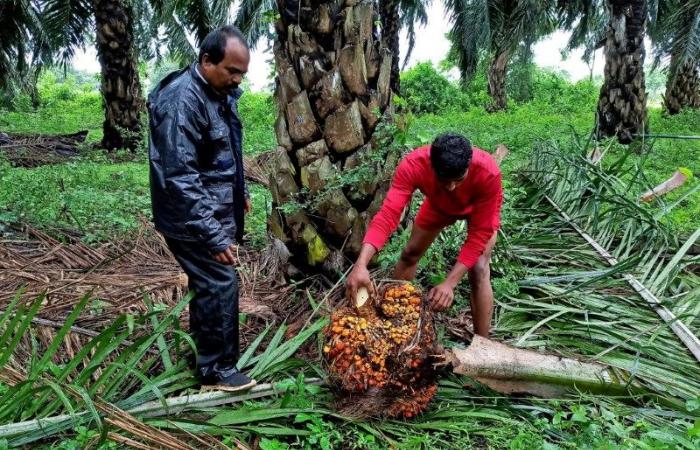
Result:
{"points": [[426, 90]]}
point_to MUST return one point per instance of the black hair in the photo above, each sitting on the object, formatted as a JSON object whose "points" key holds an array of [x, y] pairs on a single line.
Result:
{"points": [[214, 44], [450, 155]]}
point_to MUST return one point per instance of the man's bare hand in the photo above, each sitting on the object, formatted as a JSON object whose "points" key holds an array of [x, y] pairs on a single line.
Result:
{"points": [[441, 296], [248, 207], [359, 277], [227, 257]]}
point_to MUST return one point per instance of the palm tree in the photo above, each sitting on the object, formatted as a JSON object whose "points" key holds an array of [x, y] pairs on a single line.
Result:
{"points": [[334, 74], [495, 29], [22, 46], [67, 25], [391, 25], [674, 31], [621, 107]]}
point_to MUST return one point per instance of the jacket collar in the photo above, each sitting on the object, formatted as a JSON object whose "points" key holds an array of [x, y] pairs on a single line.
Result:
{"points": [[199, 79]]}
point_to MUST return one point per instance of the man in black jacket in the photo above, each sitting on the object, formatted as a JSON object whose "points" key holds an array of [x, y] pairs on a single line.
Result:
{"points": [[199, 195]]}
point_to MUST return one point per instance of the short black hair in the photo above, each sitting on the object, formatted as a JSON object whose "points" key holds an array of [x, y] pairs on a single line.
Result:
{"points": [[450, 155], [214, 44]]}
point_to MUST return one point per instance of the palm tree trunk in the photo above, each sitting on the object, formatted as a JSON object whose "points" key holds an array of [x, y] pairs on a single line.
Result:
{"points": [[327, 179], [682, 87], [622, 102], [389, 13], [497, 80], [121, 90]]}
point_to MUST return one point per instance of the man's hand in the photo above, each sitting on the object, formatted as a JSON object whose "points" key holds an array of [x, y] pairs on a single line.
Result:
{"points": [[359, 277], [248, 207], [441, 296], [227, 257]]}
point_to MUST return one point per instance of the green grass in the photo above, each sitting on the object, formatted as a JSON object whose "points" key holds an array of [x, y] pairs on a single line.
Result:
{"points": [[66, 106], [101, 199], [106, 198]]}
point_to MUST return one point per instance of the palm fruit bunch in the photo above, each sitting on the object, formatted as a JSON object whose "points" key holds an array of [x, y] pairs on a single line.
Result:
{"points": [[382, 353]]}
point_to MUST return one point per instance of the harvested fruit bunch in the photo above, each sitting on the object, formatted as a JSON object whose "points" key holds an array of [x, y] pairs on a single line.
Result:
{"points": [[384, 350]]}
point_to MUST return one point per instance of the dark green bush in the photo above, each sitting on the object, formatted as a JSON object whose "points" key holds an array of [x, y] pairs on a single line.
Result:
{"points": [[426, 90]]}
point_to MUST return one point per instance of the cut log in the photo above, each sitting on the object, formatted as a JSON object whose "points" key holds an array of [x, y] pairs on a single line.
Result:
{"points": [[368, 185], [500, 154], [368, 112], [511, 370], [676, 180], [359, 228], [353, 69], [330, 93], [343, 131], [276, 227], [300, 43], [300, 120], [312, 152], [323, 20], [281, 59]]}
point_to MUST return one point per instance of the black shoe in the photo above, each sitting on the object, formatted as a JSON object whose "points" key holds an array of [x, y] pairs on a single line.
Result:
{"points": [[230, 381]]}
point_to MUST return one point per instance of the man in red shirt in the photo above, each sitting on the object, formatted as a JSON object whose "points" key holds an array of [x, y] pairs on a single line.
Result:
{"points": [[458, 182]]}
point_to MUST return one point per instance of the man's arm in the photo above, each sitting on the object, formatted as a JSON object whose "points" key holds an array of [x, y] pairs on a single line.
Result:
{"points": [[180, 135], [382, 226], [387, 218]]}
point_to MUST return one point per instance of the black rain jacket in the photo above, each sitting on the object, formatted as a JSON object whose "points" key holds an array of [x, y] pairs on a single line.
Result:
{"points": [[196, 162]]}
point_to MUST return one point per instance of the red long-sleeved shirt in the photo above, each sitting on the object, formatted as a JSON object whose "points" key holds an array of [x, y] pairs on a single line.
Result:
{"points": [[477, 198]]}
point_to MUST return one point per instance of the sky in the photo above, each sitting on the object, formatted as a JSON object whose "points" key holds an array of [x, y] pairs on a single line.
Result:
{"points": [[431, 45]]}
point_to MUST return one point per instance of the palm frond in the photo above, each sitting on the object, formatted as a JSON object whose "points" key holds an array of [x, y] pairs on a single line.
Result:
{"points": [[21, 39], [470, 32], [68, 25], [412, 13], [674, 28], [253, 19]]}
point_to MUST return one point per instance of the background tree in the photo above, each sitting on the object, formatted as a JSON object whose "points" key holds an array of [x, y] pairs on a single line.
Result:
{"points": [[495, 29], [67, 24], [621, 107], [675, 32], [22, 47]]}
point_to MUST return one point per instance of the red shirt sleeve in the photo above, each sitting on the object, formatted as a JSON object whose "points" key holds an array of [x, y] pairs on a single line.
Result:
{"points": [[387, 218], [483, 222]]}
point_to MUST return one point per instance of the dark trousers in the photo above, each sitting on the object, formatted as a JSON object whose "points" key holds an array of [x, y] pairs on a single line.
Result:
{"points": [[213, 309]]}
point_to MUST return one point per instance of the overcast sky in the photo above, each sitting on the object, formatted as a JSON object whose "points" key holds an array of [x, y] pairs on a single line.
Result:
{"points": [[431, 45]]}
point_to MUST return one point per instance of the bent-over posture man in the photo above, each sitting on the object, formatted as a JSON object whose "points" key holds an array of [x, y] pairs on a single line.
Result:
{"points": [[458, 182], [199, 194]]}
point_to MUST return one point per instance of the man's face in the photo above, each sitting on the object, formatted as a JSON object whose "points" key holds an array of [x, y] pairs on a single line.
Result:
{"points": [[450, 184], [228, 74]]}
